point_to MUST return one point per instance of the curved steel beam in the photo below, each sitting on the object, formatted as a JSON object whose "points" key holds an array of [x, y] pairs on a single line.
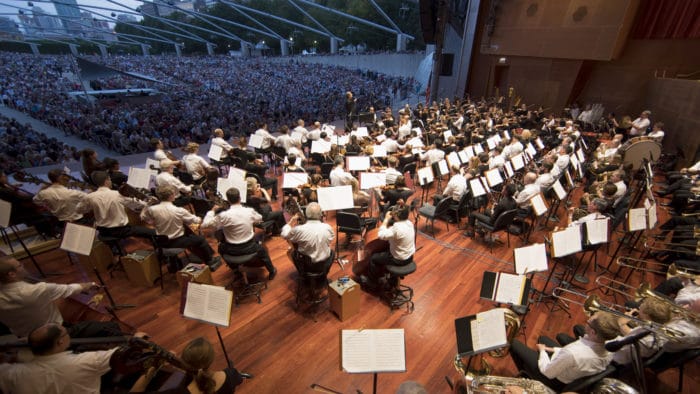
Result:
{"points": [[240, 10], [306, 14]]}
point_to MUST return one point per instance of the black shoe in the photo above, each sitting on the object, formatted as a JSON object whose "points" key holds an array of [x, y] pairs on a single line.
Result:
{"points": [[215, 263], [272, 274]]}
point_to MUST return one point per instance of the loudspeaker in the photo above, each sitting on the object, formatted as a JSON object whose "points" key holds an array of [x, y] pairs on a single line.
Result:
{"points": [[428, 19], [447, 60]]}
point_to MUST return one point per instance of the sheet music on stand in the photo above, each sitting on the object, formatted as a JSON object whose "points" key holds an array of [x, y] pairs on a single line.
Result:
{"points": [[559, 190], [358, 163], [361, 132], [237, 173], [378, 151], [152, 163], [223, 184], [335, 197], [255, 141], [538, 204], [652, 216], [477, 187], [597, 231], [637, 219], [569, 180], [539, 143], [215, 152], [442, 167], [453, 159], [320, 146], [447, 134], [370, 180], [518, 161], [78, 239], [531, 150], [372, 351], [581, 156], [531, 258], [478, 149], [139, 178], [509, 170], [291, 180], [491, 143], [567, 241], [493, 176], [209, 304], [505, 288], [463, 156], [481, 332], [5, 212], [425, 175]]}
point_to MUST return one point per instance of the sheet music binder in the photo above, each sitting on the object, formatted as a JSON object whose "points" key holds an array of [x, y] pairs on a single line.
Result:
{"points": [[489, 288], [465, 341]]}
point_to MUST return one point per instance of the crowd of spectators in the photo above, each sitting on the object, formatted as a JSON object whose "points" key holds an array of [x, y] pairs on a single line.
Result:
{"points": [[198, 95], [21, 147]]}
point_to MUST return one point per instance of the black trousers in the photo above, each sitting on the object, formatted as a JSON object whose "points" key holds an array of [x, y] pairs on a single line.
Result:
{"points": [[198, 245], [526, 360], [249, 247], [381, 259], [127, 231], [93, 329]]}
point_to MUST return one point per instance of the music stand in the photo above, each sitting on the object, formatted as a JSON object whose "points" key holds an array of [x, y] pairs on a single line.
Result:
{"points": [[336, 198]]}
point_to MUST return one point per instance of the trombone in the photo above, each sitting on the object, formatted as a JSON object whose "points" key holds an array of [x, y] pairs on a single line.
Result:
{"points": [[674, 271], [645, 291], [673, 247], [641, 265], [616, 286]]}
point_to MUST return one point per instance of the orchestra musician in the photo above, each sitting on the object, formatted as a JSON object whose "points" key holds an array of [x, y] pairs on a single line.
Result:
{"points": [[338, 175], [60, 200], [237, 224], [108, 207], [170, 221], [391, 173], [311, 239], [115, 174], [226, 148], [640, 125], [583, 357], [258, 199], [88, 158], [650, 309], [25, 306], [308, 192], [166, 178], [268, 139], [456, 186], [257, 167], [506, 203], [434, 154], [284, 140], [194, 163], [400, 234]]}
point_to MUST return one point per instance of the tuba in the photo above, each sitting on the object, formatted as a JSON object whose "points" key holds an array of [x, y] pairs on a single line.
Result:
{"points": [[500, 384], [613, 386]]}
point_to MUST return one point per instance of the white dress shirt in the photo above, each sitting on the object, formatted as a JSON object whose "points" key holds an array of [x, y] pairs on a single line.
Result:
{"points": [[575, 360], [523, 197], [61, 201], [285, 141], [168, 219], [433, 155], [339, 177], [390, 145], [60, 373], [391, 174], [545, 180], [196, 165], [236, 222], [691, 339], [225, 147], [108, 207], [166, 178], [268, 139], [401, 237], [639, 126], [159, 154], [456, 187], [648, 346], [312, 239], [26, 306]]}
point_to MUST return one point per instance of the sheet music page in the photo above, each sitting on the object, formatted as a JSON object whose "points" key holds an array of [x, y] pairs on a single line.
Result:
{"points": [[477, 149], [320, 146], [574, 162], [463, 156], [485, 183], [453, 159], [335, 197], [5, 212], [477, 187], [425, 175], [211, 304], [647, 203], [357, 163], [538, 204], [340, 140], [215, 152], [361, 132], [568, 178], [497, 138], [78, 239], [532, 258], [470, 151], [151, 163], [539, 143], [581, 156], [418, 131], [559, 190], [139, 178], [489, 330], [567, 241], [597, 231], [255, 141], [442, 166], [518, 161], [370, 180], [417, 151], [379, 151], [652, 216], [506, 134], [447, 134], [329, 129], [367, 351], [510, 289], [509, 169], [380, 138], [223, 184], [491, 142], [237, 173], [293, 179], [637, 219], [531, 149], [494, 177]]}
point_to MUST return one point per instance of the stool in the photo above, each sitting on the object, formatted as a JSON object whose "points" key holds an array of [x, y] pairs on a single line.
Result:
{"points": [[116, 247], [169, 256], [396, 293], [311, 290], [242, 287]]}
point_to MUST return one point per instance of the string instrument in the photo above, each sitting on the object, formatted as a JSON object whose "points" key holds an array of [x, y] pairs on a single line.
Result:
{"points": [[361, 266], [138, 355], [292, 207], [127, 190]]}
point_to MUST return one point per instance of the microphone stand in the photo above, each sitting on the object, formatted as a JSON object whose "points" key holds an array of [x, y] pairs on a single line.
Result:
{"points": [[637, 362]]}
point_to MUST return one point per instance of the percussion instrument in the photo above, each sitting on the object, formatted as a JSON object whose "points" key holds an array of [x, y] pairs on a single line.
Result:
{"points": [[638, 148]]}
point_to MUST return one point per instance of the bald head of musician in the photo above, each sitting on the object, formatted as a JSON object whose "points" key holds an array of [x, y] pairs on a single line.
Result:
{"points": [[49, 339], [11, 270], [529, 178]]}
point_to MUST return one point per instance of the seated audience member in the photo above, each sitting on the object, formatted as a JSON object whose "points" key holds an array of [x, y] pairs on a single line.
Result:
{"points": [[584, 357], [25, 306]]}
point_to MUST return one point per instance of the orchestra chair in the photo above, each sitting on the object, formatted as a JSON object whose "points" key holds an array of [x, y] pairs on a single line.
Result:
{"points": [[411, 169], [317, 158], [351, 223], [396, 293], [117, 249], [582, 385], [312, 283], [503, 221], [460, 209], [242, 285], [663, 361], [220, 165], [238, 162], [278, 155], [440, 211], [168, 256]]}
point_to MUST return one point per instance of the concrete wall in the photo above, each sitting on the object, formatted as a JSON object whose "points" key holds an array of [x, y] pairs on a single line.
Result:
{"points": [[394, 64]]}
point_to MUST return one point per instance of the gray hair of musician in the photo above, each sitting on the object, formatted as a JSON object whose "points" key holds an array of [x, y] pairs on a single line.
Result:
{"points": [[7, 265], [165, 192], [313, 211], [530, 177], [599, 204], [233, 195]]}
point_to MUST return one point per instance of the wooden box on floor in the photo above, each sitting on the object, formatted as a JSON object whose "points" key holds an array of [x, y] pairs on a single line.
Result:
{"points": [[344, 298], [100, 257], [141, 267], [197, 273]]}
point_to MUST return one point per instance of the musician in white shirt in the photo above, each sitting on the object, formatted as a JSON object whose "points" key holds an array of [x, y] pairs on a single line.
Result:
{"points": [[338, 175], [219, 140], [530, 189], [435, 154], [268, 139], [195, 164], [59, 199], [640, 125], [166, 177]]}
